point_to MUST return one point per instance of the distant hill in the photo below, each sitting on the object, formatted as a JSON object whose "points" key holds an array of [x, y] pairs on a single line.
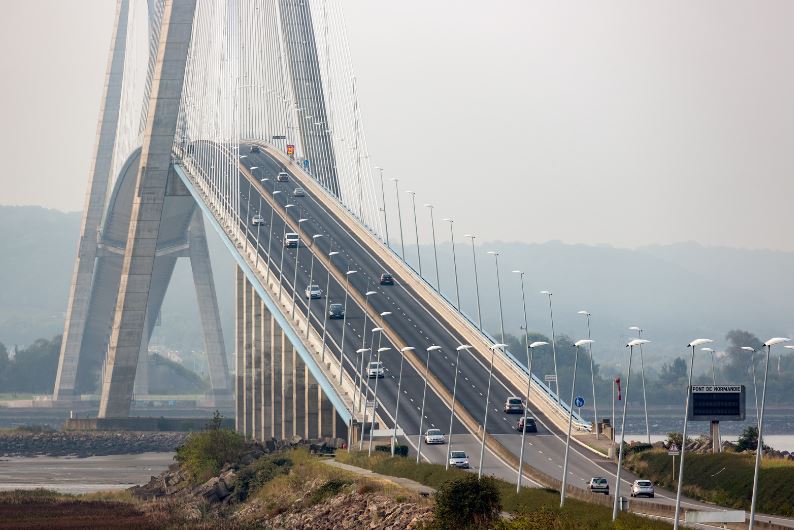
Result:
{"points": [[675, 292]]}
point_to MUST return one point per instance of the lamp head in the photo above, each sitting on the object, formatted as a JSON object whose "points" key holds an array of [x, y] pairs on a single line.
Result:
{"points": [[637, 342], [463, 347], [381, 350], [332, 253], [385, 313], [434, 348], [699, 342], [546, 292], [710, 350], [583, 312], [776, 340], [370, 292], [362, 350], [748, 348], [407, 348], [538, 343], [583, 342], [376, 329], [494, 346], [350, 272]]}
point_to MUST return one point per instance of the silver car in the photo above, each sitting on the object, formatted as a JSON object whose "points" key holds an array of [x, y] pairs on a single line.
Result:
{"points": [[459, 459], [642, 488], [298, 192]]}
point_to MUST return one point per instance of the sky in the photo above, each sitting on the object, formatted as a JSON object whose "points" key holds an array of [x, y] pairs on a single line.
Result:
{"points": [[621, 123]]}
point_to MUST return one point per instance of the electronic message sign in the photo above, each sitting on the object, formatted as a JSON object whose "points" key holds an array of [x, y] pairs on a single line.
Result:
{"points": [[717, 403]]}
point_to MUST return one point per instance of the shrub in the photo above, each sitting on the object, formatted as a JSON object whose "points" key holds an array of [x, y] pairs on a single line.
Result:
{"points": [[468, 502], [204, 454], [259, 473], [399, 450]]}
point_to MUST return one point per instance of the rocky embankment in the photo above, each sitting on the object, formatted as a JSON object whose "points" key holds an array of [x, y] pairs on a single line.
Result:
{"points": [[84, 444]]}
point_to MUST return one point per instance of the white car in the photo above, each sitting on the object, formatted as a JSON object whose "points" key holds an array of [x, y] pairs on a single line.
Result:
{"points": [[459, 459], [257, 220], [642, 488], [375, 369], [434, 436], [313, 291], [282, 177], [298, 192], [291, 240]]}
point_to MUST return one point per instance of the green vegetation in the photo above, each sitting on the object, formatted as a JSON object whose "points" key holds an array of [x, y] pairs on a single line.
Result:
{"points": [[534, 508], [467, 502], [32, 369], [724, 478], [204, 454], [259, 473]]}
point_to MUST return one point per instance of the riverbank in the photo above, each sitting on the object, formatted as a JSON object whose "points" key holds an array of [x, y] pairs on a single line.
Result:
{"points": [[85, 444]]}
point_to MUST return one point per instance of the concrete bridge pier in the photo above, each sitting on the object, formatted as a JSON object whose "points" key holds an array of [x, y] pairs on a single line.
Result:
{"points": [[276, 396]]}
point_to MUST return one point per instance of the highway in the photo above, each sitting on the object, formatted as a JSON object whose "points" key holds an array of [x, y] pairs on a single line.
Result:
{"points": [[416, 325]]}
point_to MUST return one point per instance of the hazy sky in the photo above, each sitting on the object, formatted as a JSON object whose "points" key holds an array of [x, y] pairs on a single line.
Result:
{"points": [[621, 122]]}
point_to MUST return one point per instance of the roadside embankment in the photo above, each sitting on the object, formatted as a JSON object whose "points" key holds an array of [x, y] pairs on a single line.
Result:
{"points": [[83, 444]]}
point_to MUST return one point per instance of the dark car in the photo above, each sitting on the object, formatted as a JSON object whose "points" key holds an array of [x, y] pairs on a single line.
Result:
{"points": [[336, 311], [530, 425], [254, 148], [386, 279]]}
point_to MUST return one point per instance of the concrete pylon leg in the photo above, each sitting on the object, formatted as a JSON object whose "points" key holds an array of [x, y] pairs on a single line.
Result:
{"points": [[248, 409], [312, 405], [327, 416], [267, 369], [207, 300], [93, 210], [288, 389], [153, 174], [239, 353], [256, 365]]}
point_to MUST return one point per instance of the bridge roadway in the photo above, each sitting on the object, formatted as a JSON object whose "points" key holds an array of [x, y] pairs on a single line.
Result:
{"points": [[417, 326]]}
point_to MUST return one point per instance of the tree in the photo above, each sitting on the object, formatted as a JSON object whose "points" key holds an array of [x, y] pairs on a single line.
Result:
{"points": [[674, 373], [737, 367], [467, 502], [748, 440]]}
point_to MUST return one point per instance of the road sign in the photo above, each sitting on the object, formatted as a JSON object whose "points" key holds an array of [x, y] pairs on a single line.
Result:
{"points": [[306, 164], [550, 378], [579, 401], [673, 450], [717, 403], [290, 149], [279, 137]]}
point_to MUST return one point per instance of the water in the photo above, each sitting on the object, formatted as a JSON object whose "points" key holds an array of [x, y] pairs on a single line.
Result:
{"points": [[781, 442], [81, 475]]}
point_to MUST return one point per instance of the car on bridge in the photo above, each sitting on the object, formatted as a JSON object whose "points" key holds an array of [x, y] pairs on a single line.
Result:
{"points": [[375, 369], [434, 436], [313, 291], [598, 485], [291, 240], [254, 148], [386, 279], [282, 176], [336, 311], [298, 192], [514, 405], [459, 459], [642, 488], [257, 220], [529, 426]]}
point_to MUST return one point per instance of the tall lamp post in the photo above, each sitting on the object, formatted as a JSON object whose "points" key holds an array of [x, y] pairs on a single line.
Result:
{"points": [[577, 344], [630, 346], [295, 276], [375, 399], [642, 372], [454, 394], [760, 447], [495, 254], [315, 237], [454, 258], [424, 395], [435, 251], [553, 345], [399, 214], [344, 324], [283, 247], [270, 237], [694, 344], [399, 389], [416, 230], [476, 280], [485, 414], [383, 200], [531, 348], [755, 383], [356, 397], [713, 370], [331, 254], [592, 373]]}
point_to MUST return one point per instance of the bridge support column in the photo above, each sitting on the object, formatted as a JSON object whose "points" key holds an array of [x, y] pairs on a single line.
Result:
{"points": [[277, 403], [268, 343], [299, 397], [313, 397], [256, 365], [288, 389], [239, 374]]}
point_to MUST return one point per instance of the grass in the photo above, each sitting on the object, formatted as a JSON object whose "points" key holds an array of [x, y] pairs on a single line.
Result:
{"points": [[724, 478], [533, 507]]}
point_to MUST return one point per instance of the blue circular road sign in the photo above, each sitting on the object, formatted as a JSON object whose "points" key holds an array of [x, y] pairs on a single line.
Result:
{"points": [[579, 401]]}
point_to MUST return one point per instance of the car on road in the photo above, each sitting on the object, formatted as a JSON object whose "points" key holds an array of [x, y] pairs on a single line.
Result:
{"points": [[313, 291], [459, 459], [375, 369], [530, 424], [434, 436], [514, 405], [291, 240], [257, 220], [282, 176], [642, 488], [336, 311], [254, 148], [298, 192], [598, 485], [386, 279]]}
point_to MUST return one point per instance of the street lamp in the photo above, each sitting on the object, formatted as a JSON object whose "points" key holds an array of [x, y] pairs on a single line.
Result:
{"points": [[424, 394], [760, 446], [642, 371], [344, 324], [531, 349], [315, 237], [592, 374], [366, 313], [383, 199], [553, 345], [362, 386], [283, 247], [295, 276], [630, 346], [485, 414], [270, 237], [755, 384], [577, 345], [454, 393], [399, 389], [416, 230], [694, 344], [435, 252], [375, 397], [399, 214], [713, 372], [454, 258], [356, 400], [476, 280], [331, 254], [495, 254]]}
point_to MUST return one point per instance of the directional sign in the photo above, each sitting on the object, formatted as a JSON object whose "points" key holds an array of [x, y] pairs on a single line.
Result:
{"points": [[673, 450], [306, 164], [579, 401], [279, 137], [550, 378], [290, 149]]}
